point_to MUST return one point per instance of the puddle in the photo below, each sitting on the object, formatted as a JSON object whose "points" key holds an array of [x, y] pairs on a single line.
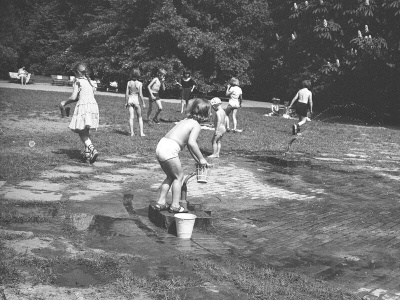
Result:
{"points": [[78, 275]]}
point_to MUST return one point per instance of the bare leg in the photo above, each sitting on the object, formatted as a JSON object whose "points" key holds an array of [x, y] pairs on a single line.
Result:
{"points": [[131, 117], [138, 110], [234, 119], [159, 105], [173, 170], [228, 112], [150, 109], [216, 144], [182, 105], [303, 120]]}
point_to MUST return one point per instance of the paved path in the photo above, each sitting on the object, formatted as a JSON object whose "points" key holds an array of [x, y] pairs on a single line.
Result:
{"points": [[68, 89], [336, 219]]}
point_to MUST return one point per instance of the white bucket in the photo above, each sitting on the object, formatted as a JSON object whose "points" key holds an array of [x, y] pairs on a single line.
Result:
{"points": [[184, 225], [202, 173]]}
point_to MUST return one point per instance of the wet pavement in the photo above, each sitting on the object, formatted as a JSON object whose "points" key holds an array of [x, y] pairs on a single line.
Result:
{"points": [[335, 219]]}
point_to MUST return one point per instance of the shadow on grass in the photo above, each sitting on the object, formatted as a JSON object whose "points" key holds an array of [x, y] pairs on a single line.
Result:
{"points": [[71, 153], [121, 132]]}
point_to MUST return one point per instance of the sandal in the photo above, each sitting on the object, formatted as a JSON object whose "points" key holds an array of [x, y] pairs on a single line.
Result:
{"points": [[161, 207], [93, 154], [177, 210]]}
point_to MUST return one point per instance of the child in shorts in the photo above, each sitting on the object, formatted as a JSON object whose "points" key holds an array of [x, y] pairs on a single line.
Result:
{"points": [[183, 134], [154, 88], [219, 125], [235, 101], [304, 100]]}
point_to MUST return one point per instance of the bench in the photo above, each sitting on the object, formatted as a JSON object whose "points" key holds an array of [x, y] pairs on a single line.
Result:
{"points": [[59, 80], [14, 78]]}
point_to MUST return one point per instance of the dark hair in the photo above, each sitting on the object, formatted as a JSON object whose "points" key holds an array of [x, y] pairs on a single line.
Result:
{"points": [[186, 72], [83, 68], [135, 75], [200, 110], [307, 83]]}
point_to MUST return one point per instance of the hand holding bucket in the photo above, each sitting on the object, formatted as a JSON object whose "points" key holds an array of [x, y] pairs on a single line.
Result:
{"points": [[202, 172]]}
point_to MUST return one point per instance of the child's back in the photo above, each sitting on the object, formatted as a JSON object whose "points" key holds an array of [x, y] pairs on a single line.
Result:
{"points": [[181, 131], [304, 95]]}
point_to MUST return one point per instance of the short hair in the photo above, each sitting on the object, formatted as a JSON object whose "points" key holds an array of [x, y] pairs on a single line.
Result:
{"points": [[135, 75], [82, 68], [234, 81], [200, 110], [186, 72], [306, 83]]}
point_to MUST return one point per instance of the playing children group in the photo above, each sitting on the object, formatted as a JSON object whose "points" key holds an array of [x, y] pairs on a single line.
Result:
{"points": [[184, 133]]}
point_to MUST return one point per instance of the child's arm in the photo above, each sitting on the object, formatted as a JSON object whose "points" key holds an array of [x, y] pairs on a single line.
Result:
{"points": [[294, 99], [74, 96], [127, 94], [193, 147], [311, 103], [141, 94], [240, 100], [228, 93]]}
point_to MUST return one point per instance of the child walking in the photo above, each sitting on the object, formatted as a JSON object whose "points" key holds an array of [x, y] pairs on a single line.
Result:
{"points": [[187, 84], [235, 101], [304, 97], [167, 152], [86, 113], [219, 125], [132, 96], [154, 88]]}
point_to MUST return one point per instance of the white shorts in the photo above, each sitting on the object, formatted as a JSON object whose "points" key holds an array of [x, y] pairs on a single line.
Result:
{"points": [[167, 149]]}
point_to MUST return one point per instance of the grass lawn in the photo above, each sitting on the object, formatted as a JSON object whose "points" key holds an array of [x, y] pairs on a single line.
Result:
{"points": [[34, 116]]}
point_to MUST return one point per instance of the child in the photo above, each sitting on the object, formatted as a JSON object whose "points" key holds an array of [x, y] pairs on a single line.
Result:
{"points": [[86, 113], [187, 84], [304, 97], [132, 96], [154, 88], [235, 101], [274, 108], [287, 114], [167, 152], [219, 125]]}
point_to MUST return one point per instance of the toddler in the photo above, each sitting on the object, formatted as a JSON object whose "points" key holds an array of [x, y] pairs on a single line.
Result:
{"points": [[235, 101], [219, 125]]}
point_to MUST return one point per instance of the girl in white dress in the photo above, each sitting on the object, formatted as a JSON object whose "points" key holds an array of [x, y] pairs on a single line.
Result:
{"points": [[86, 113]]}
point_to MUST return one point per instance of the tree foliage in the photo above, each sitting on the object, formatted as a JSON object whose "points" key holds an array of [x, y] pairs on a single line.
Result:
{"points": [[349, 49]]}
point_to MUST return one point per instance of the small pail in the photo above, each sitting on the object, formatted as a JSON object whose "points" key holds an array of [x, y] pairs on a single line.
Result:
{"points": [[184, 225], [202, 173]]}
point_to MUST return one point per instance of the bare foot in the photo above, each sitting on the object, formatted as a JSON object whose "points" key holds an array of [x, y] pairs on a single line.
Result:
{"points": [[132, 134], [213, 156], [142, 134]]}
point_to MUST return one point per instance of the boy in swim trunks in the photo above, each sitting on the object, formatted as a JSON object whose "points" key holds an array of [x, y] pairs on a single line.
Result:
{"points": [[219, 125], [167, 152], [304, 97], [154, 88]]}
